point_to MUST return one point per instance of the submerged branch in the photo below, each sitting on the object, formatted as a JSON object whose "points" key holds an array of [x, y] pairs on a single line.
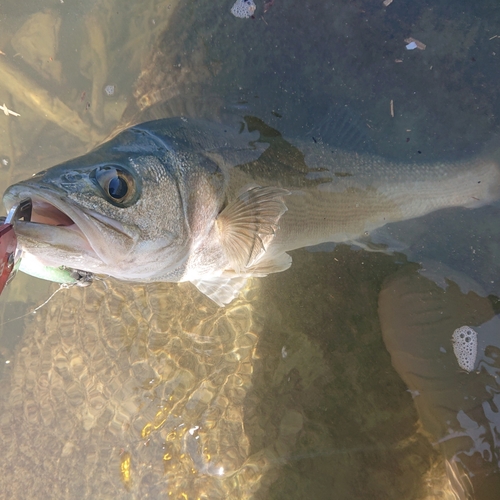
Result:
{"points": [[41, 101]]}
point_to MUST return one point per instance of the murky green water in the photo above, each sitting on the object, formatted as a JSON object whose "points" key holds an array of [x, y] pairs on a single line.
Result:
{"points": [[335, 379]]}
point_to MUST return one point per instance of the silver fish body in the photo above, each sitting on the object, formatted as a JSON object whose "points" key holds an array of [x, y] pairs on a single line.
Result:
{"points": [[190, 200]]}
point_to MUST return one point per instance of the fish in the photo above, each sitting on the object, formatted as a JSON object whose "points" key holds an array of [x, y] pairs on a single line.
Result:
{"points": [[185, 199]]}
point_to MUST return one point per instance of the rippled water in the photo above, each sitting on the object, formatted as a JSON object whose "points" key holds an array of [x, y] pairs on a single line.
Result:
{"points": [[335, 379]]}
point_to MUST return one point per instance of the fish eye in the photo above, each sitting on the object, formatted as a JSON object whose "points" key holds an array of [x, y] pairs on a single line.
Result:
{"points": [[117, 188], [117, 184]]}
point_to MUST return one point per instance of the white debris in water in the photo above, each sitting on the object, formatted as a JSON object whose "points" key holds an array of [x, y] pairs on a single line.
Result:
{"points": [[109, 90], [193, 429], [413, 43], [8, 111], [243, 8], [465, 347], [414, 394]]}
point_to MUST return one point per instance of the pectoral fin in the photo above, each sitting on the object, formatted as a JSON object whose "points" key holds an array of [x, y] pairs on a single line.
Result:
{"points": [[248, 225], [221, 290]]}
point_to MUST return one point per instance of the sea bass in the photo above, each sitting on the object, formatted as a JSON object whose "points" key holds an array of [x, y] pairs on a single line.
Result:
{"points": [[189, 200]]}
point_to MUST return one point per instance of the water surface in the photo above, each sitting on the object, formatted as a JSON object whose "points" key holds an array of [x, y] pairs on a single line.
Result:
{"points": [[330, 380]]}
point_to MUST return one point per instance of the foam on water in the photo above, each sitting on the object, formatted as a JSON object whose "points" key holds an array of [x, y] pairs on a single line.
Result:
{"points": [[465, 347], [243, 8]]}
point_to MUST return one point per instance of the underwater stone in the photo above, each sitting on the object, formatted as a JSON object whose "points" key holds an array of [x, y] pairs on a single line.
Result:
{"points": [[243, 8], [465, 347]]}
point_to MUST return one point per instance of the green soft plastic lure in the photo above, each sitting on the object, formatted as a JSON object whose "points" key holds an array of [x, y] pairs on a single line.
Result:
{"points": [[30, 265]]}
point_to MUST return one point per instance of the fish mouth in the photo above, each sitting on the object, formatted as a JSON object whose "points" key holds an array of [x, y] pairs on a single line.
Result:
{"points": [[44, 212], [62, 232]]}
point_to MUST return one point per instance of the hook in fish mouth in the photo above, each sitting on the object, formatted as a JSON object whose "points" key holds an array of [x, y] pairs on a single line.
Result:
{"points": [[62, 232], [52, 210], [49, 215]]}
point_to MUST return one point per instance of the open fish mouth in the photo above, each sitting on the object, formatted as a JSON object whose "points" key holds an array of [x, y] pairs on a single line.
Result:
{"points": [[47, 210], [44, 212], [61, 233], [52, 226]]}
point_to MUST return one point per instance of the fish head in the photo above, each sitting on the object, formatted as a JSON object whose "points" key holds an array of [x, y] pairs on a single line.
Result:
{"points": [[132, 208]]}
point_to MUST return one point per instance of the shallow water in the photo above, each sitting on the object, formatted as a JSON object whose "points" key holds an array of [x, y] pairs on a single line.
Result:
{"points": [[335, 379]]}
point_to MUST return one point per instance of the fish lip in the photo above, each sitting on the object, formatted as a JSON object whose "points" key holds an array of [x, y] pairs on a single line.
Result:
{"points": [[83, 220]]}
